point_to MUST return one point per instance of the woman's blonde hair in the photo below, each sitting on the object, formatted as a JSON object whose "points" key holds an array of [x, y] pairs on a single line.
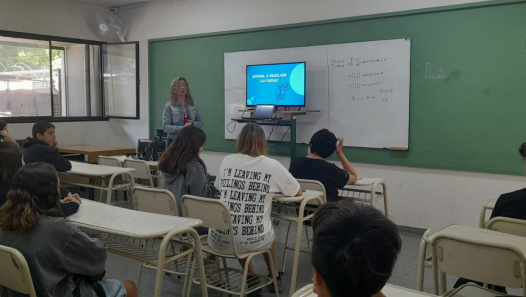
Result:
{"points": [[173, 96], [252, 141]]}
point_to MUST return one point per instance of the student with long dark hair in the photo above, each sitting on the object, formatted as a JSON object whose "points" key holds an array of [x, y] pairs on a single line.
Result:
{"points": [[63, 260], [10, 162], [183, 169]]}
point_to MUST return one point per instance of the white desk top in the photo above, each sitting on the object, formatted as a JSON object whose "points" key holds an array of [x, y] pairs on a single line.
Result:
{"points": [[388, 291], [306, 194], [131, 223], [150, 163], [96, 170], [479, 234]]}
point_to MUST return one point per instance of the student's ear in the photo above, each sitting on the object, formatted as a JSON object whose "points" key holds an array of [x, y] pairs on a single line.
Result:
{"points": [[39, 135], [319, 283]]}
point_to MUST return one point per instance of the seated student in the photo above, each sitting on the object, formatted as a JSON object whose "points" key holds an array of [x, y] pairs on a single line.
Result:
{"points": [[43, 147], [63, 260], [247, 181], [511, 205], [322, 145], [354, 250], [4, 134], [10, 162], [183, 169]]}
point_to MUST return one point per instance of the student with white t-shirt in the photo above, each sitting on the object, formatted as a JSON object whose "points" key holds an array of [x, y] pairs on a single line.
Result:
{"points": [[247, 182]]}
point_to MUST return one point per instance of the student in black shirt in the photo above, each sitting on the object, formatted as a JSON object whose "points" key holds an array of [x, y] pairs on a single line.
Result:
{"points": [[43, 147], [510, 205], [322, 145]]}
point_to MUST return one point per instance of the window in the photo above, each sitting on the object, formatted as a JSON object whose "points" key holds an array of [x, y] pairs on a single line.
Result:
{"points": [[59, 79]]}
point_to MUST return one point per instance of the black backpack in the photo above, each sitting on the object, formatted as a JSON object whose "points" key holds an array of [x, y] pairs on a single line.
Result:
{"points": [[151, 150]]}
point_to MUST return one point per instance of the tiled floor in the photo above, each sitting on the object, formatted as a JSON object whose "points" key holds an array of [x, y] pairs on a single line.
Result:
{"points": [[404, 273]]}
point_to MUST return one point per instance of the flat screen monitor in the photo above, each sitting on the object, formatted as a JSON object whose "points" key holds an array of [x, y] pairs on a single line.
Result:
{"points": [[280, 84]]}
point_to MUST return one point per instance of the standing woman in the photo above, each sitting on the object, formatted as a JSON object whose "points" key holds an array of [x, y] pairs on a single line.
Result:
{"points": [[181, 110]]}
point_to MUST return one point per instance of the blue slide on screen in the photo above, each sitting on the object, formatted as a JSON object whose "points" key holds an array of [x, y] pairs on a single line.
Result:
{"points": [[278, 84]]}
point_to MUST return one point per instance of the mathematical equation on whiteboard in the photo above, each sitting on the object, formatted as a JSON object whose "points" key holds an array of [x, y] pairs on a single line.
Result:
{"points": [[365, 78]]}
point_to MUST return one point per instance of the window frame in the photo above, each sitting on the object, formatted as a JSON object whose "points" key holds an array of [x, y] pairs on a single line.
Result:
{"points": [[137, 81], [51, 39]]}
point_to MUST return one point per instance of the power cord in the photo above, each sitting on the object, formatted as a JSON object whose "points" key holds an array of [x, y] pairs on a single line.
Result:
{"points": [[234, 122], [279, 142]]}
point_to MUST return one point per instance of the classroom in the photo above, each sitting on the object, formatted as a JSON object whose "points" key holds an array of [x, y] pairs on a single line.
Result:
{"points": [[464, 79]]}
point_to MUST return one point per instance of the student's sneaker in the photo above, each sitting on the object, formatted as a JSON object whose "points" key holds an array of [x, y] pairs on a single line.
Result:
{"points": [[254, 280], [278, 280]]}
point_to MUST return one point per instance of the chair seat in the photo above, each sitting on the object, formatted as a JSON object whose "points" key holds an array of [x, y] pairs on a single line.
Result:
{"points": [[470, 290], [210, 250]]}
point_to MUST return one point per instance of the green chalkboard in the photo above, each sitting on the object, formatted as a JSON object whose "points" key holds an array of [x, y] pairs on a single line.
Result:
{"points": [[468, 81]]}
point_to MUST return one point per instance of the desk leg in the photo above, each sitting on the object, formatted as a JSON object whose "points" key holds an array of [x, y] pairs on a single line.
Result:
{"points": [[162, 258], [92, 158], [297, 251], [200, 263], [293, 139], [384, 188]]}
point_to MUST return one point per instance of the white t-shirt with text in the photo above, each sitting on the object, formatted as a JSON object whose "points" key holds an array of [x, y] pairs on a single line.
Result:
{"points": [[247, 186]]}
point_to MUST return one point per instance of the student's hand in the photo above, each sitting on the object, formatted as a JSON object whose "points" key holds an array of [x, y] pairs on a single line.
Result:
{"points": [[339, 145], [6, 136], [55, 145], [72, 198], [189, 123]]}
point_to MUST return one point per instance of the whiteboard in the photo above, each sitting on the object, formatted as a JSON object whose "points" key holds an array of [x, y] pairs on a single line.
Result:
{"points": [[361, 90]]}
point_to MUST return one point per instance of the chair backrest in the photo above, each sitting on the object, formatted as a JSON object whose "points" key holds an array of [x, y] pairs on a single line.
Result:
{"points": [[314, 185], [153, 200], [142, 169], [507, 225], [109, 161], [488, 262], [14, 273], [213, 212]]}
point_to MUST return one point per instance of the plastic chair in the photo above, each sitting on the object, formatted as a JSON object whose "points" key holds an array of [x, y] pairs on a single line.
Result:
{"points": [[480, 255], [15, 274], [160, 201], [305, 184], [153, 200], [109, 161], [508, 226], [214, 214], [489, 205], [142, 170], [426, 261], [114, 162]]}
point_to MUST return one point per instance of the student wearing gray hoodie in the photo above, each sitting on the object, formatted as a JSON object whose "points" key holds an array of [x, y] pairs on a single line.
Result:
{"points": [[183, 169]]}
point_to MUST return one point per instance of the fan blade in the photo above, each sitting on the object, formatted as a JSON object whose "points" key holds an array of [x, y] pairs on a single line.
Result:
{"points": [[115, 26], [100, 19]]}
